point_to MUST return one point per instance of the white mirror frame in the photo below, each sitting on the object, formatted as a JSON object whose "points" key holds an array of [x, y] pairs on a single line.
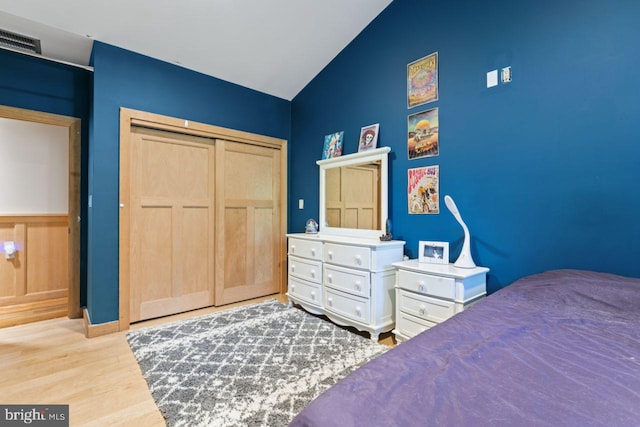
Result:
{"points": [[378, 154]]}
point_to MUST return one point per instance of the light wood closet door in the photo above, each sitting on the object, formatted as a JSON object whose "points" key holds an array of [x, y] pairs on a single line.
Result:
{"points": [[248, 233], [172, 223]]}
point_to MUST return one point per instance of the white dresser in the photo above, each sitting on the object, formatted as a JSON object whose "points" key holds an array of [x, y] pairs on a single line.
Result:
{"points": [[350, 280], [427, 294]]}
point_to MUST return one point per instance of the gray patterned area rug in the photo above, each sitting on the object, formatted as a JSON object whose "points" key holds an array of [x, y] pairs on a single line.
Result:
{"points": [[256, 365]]}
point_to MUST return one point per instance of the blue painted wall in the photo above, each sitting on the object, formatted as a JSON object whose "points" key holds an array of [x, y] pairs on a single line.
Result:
{"points": [[544, 169], [36, 84], [126, 79]]}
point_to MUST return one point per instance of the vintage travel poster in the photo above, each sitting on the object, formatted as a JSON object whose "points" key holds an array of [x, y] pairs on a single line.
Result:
{"points": [[422, 80], [422, 134], [423, 190]]}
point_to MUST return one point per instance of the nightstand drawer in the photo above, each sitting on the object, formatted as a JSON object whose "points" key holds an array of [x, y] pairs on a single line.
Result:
{"points": [[306, 291], [410, 326], [346, 305], [438, 286], [349, 256], [356, 282], [305, 248], [433, 309], [305, 269]]}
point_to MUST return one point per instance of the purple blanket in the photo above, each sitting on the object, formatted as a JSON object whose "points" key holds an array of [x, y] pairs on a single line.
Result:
{"points": [[561, 348]]}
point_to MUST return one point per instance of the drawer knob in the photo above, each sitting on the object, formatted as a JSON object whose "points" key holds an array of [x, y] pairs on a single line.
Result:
{"points": [[313, 295], [293, 287], [293, 268], [330, 301], [293, 249], [358, 287], [330, 255], [422, 310], [422, 287], [313, 252], [358, 260], [329, 278], [358, 312], [313, 273]]}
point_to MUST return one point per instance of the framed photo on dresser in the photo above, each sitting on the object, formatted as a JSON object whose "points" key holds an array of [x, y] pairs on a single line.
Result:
{"points": [[433, 252]]}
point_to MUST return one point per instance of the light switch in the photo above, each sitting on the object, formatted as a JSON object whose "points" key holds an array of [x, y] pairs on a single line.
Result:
{"points": [[301, 204], [492, 78]]}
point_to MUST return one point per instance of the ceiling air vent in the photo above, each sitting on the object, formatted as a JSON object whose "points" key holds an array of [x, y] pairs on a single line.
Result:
{"points": [[19, 42]]}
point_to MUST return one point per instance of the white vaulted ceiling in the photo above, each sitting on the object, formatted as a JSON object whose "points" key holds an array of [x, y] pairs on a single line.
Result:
{"points": [[273, 46]]}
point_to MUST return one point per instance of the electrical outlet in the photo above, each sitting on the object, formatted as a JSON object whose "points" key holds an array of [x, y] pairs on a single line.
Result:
{"points": [[505, 75]]}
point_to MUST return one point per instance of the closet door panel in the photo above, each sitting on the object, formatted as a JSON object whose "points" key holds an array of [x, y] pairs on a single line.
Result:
{"points": [[172, 223], [248, 198]]}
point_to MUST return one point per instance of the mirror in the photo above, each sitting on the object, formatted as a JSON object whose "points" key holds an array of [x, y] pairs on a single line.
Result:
{"points": [[353, 194]]}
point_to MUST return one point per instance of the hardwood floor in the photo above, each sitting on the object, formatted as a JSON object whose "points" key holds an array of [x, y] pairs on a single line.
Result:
{"points": [[52, 362]]}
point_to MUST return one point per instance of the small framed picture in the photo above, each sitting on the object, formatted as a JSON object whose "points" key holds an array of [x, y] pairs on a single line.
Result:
{"points": [[433, 252], [368, 137], [332, 145]]}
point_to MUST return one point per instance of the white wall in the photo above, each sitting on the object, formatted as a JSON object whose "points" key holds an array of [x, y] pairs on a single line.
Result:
{"points": [[34, 168]]}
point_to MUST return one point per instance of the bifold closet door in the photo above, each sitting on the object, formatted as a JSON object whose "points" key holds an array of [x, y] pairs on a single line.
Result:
{"points": [[172, 223], [248, 225]]}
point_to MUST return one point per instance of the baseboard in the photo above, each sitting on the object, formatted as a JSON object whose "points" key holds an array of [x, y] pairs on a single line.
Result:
{"points": [[20, 314], [92, 331]]}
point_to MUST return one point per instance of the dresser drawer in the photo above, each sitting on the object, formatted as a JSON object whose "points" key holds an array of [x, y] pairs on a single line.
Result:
{"points": [[348, 256], [306, 248], [427, 308], [305, 269], [346, 305], [438, 286], [410, 326], [306, 291], [355, 282]]}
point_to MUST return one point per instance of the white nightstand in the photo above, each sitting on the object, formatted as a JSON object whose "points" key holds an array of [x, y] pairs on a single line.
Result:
{"points": [[427, 294]]}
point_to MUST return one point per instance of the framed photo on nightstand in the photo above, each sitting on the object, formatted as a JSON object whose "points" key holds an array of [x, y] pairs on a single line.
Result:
{"points": [[433, 252]]}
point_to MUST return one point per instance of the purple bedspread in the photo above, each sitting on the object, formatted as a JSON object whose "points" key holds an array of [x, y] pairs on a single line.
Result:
{"points": [[561, 348]]}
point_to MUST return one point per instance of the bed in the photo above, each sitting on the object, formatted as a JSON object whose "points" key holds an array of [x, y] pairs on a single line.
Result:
{"points": [[560, 348]]}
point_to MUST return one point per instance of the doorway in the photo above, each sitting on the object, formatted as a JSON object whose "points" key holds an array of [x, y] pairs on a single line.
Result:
{"points": [[40, 227]]}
